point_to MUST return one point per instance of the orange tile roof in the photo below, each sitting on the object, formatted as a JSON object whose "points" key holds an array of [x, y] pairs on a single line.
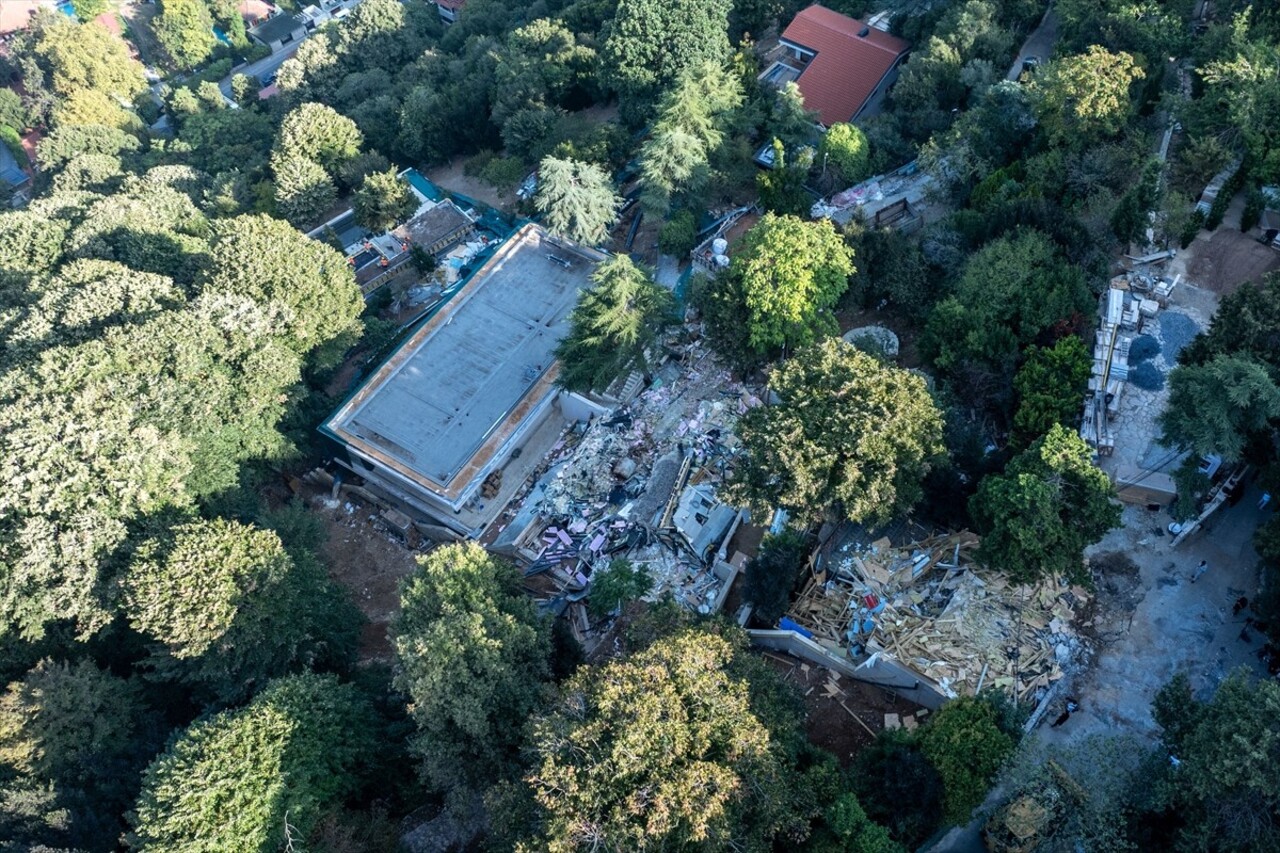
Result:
{"points": [[847, 67]]}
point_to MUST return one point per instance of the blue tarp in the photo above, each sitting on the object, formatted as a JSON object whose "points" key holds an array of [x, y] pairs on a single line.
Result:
{"points": [[10, 172]]}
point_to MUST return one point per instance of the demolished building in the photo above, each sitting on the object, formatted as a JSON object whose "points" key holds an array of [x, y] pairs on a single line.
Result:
{"points": [[929, 607]]}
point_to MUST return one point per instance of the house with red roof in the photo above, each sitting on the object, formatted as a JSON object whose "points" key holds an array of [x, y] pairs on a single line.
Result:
{"points": [[842, 65]]}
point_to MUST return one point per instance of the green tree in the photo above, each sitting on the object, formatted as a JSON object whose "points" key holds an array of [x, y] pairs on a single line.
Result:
{"points": [[303, 190], [1050, 385], [1050, 503], [675, 727], [849, 830], [679, 234], [965, 742], [613, 324], [84, 56], [12, 111], [844, 148], [383, 201], [82, 733], [791, 273], [65, 142], [307, 284], [540, 65], [782, 187], [229, 607], [772, 573], [1085, 97], [473, 658], [87, 10], [319, 133], [616, 584], [850, 435], [256, 778], [899, 788], [1247, 323], [690, 127], [578, 200], [1214, 408], [650, 44], [185, 31], [1224, 792], [1012, 290]]}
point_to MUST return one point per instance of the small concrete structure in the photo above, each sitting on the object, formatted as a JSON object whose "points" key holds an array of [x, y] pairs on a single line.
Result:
{"points": [[881, 338], [474, 384]]}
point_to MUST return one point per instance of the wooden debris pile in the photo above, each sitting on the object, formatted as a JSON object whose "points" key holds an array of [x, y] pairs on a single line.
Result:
{"points": [[928, 606]]}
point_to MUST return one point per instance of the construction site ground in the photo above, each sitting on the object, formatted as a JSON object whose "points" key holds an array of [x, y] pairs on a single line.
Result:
{"points": [[1148, 622], [842, 715], [1225, 258], [369, 561]]}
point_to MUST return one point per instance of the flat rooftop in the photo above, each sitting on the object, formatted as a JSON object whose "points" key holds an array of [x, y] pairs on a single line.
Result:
{"points": [[452, 394]]}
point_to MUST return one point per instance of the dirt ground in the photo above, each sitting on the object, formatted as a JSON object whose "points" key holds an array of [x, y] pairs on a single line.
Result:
{"points": [[843, 715], [1173, 625], [1223, 259], [370, 562], [453, 177], [139, 17], [908, 335]]}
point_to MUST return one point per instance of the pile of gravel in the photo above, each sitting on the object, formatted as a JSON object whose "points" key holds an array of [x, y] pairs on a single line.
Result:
{"points": [[1143, 348], [1176, 331], [1147, 376]]}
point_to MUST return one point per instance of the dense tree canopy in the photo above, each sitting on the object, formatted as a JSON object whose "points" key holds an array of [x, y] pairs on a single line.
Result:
{"points": [[78, 57], [578, 200], [1215, 407], [383, 201], [228, 606], [789, 274], [473, 657], [185, 30], [256, 778], [1050, 503], [1084, 97], [613, 324], [1223, 794], [965, 743], [650, 44], [850, 435], [666, 749], [690, 127], [304, 285], [83, 734], [1013, 290], [1051, 387]]}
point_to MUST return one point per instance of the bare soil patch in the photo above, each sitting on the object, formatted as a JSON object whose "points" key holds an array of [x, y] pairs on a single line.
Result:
{"points": [[842, 715], [1224, 259], [454, 178], [370, 562]]}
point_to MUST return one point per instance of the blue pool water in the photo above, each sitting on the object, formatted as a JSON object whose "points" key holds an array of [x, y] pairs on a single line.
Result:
{"points": [[422, 185]]}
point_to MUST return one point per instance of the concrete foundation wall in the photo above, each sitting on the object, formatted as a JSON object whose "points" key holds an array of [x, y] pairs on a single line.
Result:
{"points": [[882, 673]]}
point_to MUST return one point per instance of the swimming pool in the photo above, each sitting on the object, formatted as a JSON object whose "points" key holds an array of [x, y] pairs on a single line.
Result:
{"points": [[429, 190]]}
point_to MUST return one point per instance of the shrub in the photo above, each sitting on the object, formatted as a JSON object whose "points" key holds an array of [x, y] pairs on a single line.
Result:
{"points": [[679, 234]]}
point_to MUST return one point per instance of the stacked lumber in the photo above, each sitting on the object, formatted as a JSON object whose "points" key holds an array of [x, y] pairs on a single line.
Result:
{"points": [[929, 606]]}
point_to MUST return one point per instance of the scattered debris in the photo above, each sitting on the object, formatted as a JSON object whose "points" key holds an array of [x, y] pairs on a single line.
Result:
{"points": [[928, 607]]}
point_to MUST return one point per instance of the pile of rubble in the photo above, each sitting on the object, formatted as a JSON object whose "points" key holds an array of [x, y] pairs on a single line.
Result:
{"points": [[929, 607], [642, 485]]}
